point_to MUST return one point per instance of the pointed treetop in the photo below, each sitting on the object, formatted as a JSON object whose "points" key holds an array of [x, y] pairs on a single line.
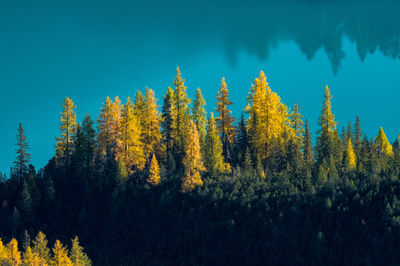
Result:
{"points": [[382, 141]]}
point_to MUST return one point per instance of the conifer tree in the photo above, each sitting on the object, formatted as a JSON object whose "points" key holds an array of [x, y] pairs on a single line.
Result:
{"points": [[384, 146], [31, 258], [121, 175], [13, 254], [182, 115], [154, 172], [151, 123], [105, 134], [77, 255], [3, 253], [68, 127], [25, 204], [20, 169], [241, 142], [60, 255], [199, 115], [89, 140], [357, 136], [168, 116], [225, 120], [192, 161], [350, 156], [297, 122], [130, 146], [40, 247], [213, 158], [326, 138], [307, 147]]}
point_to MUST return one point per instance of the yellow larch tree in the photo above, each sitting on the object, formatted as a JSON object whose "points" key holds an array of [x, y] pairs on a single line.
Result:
{"points": [[40, 247], [192, 161], [213, 158], [225, 120], [268, 117], [32, 258], [154, 172], [350, 156], [382, 141], [151, 125], [109, 123], [129, 146], [60, 255], [68, 128], [13, 254], [3, 253]]}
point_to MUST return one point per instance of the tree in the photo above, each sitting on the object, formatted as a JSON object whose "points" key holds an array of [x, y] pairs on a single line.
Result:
{"points": [[151, 123], [60, 255], [77, 255], [130, 146], [199, 115], [108, 125], [64, 147], [168, 116], [13, 254], [89, 140], [154, 172], [326, 139], [384, 146], [213, 158], [3, 253], [350, 156], [20, 169], [297, 122], [307, 147], [225, 120], [31, 258], [192, 161], [40, 247], [25, 204], [182, 117], [241, 142]]}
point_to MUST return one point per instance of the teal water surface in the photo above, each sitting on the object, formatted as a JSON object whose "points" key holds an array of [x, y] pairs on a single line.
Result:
{"points": [[87, 51]]}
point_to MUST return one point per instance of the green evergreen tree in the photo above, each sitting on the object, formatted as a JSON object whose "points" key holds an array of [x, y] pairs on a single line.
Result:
{"points": [[20, 168]]}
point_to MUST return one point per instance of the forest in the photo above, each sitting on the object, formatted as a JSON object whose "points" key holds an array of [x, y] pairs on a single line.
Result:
{"points": [[170, 184]]}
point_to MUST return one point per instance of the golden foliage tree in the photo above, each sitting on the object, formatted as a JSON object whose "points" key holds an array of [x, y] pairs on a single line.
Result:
{"points": [[40, 247], [130, 147], [225, 120], [384, 146], [60, 255], [154, 172], [13, 254], [109, 123], [213, 158], [350, 156], [32, 258], [151, 124], [268, 117], [68, 128], [192, 161]]}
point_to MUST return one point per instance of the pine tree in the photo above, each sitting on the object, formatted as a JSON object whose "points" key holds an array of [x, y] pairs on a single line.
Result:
{"points": [[105, 134], [326, 138], [13, 254], [151, 123], [241, 142], [130, 146], [40, 247], [182, 115], [213, 158], [192, 161], [297, 122], [20, 169], [77, 255], [225, 120], [350, 156], [25, 204], [121, 175], [89, 140], [199, 115], [307, 147], [67, 126], [154, 172], [168, 116], [60, 255], [357, 136], [27, 241], [384, 146]]}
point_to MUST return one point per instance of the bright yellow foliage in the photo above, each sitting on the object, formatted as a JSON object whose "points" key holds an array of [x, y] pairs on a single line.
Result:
{"points": [[60, 255], [154, 176], [3, 252], [268, 116], [383, 144], [192, 161], [350, 155], [68, 128], [129, 144], [151, 124], [32, 258], [13, 254], [213, 158], [109, 123]]}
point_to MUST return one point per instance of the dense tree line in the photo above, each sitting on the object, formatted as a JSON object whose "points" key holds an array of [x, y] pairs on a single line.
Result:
{"points": [[179, 187]]}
